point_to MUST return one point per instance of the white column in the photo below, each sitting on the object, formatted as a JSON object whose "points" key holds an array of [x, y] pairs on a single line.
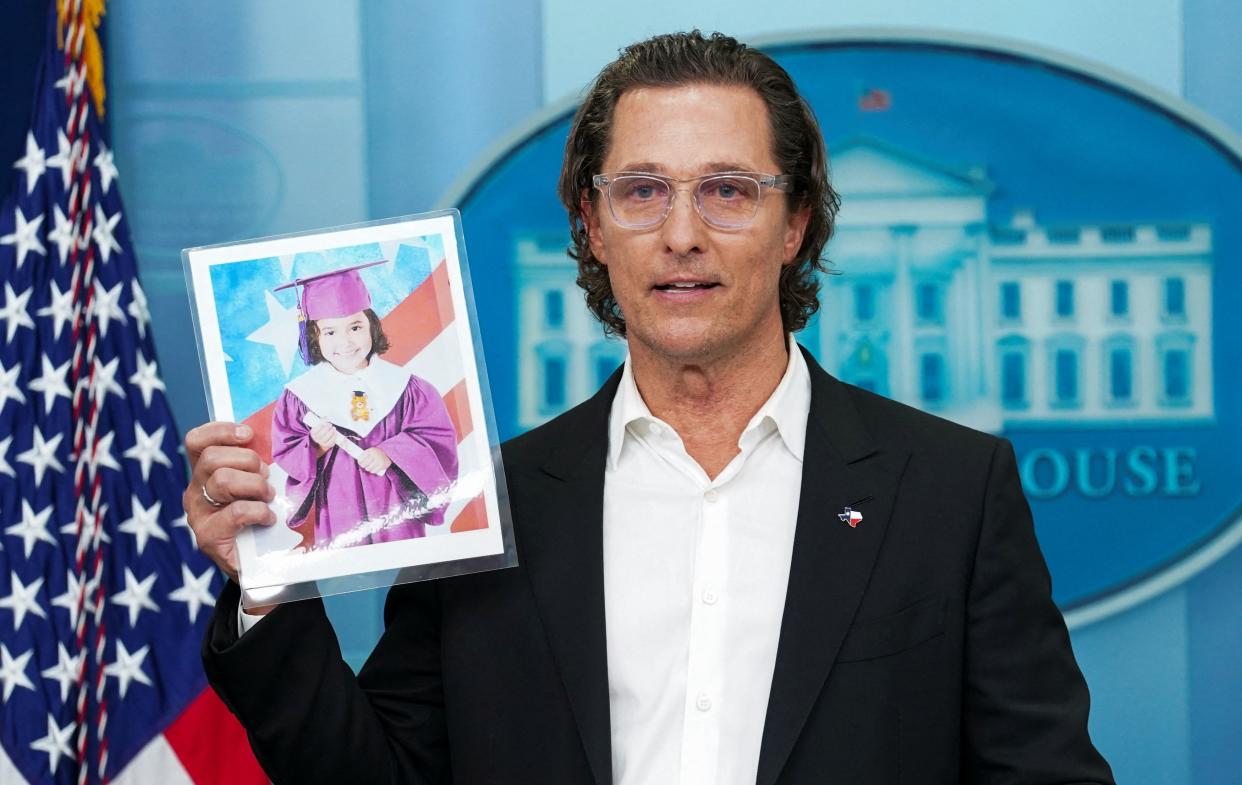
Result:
{"points": [[901, 358]]}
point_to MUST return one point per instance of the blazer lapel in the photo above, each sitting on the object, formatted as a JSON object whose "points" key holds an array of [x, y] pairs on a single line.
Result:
{"points": [[561, 548], [832, 560]]}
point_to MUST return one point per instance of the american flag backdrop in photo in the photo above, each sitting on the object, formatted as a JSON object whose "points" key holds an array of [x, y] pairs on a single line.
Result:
{"points": [[103, 597]]}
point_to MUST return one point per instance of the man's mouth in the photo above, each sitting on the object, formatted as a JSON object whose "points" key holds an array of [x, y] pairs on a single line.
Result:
{"points": [[682, 286]]}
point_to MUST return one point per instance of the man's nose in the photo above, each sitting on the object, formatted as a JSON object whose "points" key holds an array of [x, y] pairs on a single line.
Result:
{"points": [[684, 229]]}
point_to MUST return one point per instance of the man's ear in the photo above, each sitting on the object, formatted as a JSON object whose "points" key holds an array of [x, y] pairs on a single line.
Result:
{"points": [[590, 219], [795, 230]]}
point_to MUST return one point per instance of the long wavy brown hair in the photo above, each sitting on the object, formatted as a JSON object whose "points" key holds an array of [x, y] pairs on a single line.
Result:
{"points": [[798, 146]]}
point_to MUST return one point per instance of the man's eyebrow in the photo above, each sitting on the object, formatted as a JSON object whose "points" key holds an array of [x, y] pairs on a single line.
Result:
{"points": [[709, 168]]}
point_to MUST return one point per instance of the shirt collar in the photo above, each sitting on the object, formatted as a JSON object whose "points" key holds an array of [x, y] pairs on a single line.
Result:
{"points": [[786, 409]]}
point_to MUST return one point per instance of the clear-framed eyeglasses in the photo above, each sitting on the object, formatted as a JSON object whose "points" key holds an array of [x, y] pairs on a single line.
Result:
{"points": [[728, 200]]}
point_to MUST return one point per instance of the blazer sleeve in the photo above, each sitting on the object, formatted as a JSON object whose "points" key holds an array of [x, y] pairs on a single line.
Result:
{"points": [[309, 719], [1025, 700]]}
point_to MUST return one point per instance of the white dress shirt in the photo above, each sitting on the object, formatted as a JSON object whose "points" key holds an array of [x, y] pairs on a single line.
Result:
{"points": [[695, 572]]}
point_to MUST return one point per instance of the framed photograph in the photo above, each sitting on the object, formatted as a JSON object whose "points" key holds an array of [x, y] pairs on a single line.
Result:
{"points": [[353, 354]]}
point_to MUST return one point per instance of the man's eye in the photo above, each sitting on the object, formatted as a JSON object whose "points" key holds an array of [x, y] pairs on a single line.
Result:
{"points": [[642, 190]]}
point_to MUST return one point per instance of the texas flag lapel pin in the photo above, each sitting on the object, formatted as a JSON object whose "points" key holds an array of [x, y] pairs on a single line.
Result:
{"points": [[851, 516]]}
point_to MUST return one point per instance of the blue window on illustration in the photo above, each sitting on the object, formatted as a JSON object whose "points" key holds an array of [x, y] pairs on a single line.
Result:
{"points": [[927, 302], [933, 377], [604, 366], [864, 302], [1120, 374], [1177, 375], [1119, 298], [1013, 379], [1011, 300], [1174, 297], [1065, 298], [553, 382], [1066, 365], [553, 308]]}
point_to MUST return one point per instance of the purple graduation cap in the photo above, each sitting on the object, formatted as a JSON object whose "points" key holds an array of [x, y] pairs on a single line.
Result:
{"points": [[329, 296]]}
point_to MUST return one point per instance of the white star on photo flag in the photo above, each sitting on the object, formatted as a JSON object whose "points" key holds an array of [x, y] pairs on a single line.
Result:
{"points": [[21, 599], [42, 455], [128, 667], [279, 332], [104, 227], [55, 743], [148, 449], [14, 312], [13, 671], [144, 524], [65, 671], [33, 163], [32, 527], [136, 596], [195, 592], [52, 383], [147, 378], [25, 236]]}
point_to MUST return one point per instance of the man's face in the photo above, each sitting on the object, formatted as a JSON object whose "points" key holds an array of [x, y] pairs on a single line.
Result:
{"points": [[683, 132]]}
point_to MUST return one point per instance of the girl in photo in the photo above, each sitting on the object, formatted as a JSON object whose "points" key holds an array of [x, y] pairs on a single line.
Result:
{"points": [[368, 446]]}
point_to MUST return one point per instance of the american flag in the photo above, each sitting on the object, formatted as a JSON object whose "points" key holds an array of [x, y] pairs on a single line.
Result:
{"points": [[103, 597]]}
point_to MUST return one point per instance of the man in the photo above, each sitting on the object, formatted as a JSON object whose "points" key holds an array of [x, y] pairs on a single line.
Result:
{"points": [[734, 568]]}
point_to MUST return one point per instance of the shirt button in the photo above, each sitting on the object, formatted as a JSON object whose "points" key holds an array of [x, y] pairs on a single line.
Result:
{"points": [[710, 597], [653, 428], [711, 495], [703, 702]]}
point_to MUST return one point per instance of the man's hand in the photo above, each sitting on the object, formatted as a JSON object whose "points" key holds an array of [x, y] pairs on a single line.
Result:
{"points": [[234, 477], [375, 461]]}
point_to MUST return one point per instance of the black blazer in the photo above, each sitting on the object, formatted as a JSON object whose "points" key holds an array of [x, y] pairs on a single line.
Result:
{"points": [[920, 647]]}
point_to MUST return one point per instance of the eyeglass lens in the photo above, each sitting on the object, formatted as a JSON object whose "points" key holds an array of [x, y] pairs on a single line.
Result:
{"points": [[727, 200]]}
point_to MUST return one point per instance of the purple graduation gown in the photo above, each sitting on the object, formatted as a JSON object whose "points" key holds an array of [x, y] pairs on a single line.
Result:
{"points": [[416, 433]]}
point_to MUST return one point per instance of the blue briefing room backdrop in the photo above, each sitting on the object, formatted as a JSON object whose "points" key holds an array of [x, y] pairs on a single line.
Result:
{"points": [[1059, 193]]}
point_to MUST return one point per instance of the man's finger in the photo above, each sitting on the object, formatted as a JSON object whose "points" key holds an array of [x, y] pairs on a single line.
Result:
{"points": [[215, 433], [216, 457], [227, 484]]}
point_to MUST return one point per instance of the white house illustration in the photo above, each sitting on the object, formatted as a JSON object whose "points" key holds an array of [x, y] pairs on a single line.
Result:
{"points": [[990, 325]]}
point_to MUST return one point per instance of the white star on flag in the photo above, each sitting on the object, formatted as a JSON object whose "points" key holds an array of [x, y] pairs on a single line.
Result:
{"points": [[144, 524], [22, 600], [52, 383], [105, 381], [61, 234], [74, 594], [70, 82], [25, 236], [107, 306], [138, 308], [14, 312], [128, 667], [148, 449], [104, 227], [107, 169], [56, 742], [181, 522], [32, 163], [13, 671], [32, 528], [89, 524], [147, 378], [5, 466], [136, 596], [63, 160], [42, 455], [65, 671], [279, 332], [61, 309], [101, 454], [8, 385], [195, 592]]}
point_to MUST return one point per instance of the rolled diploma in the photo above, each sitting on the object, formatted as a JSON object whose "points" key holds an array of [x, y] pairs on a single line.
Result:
{"points": [[312, 420]]}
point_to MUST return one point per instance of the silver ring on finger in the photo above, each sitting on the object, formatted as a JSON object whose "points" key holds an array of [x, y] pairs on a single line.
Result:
{"points": [[210, 500]]}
